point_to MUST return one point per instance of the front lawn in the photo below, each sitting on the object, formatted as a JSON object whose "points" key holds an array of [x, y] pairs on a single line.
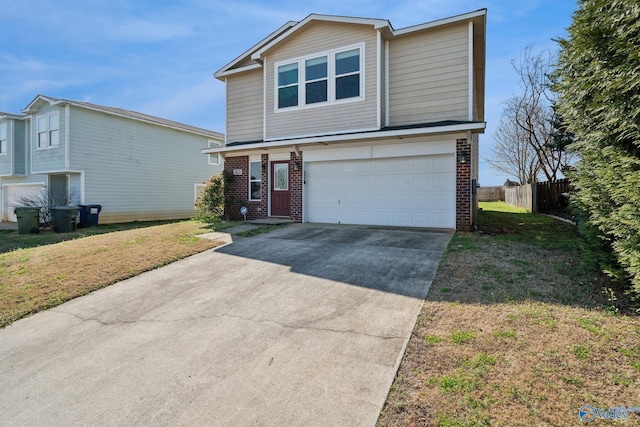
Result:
{"points": [[52, 268], [517, 330]]}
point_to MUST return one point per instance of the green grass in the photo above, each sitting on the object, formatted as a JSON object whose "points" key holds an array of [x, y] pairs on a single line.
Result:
{"points": [[462, 336], [256, 231], [500, 207]]}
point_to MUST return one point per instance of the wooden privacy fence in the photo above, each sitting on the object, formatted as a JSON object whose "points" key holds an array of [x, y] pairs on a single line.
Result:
{"points": [[535, 197], [544, 194], [522, 196]]}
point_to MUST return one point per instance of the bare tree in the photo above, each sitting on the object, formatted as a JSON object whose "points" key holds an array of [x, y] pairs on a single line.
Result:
{"points": [[48, 198], [535, 116], [512, 154]]}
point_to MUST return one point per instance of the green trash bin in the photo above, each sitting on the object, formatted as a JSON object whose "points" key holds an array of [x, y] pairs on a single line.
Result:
{"points": [[28, 219], [65, 218]]}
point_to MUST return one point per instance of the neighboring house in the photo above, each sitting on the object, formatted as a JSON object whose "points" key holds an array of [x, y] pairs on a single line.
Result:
{"points": [[138, 167], [349, 121]]}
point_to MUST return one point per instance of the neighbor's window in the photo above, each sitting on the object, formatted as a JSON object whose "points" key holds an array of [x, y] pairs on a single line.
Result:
{"points": [[214, 159], [322, 78], [48, 130], [3, 139], [255, 180]]}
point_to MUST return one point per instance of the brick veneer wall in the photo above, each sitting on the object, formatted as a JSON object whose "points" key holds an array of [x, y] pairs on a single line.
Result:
{"points": [[295, 186], [237, 193], [463, 186]]}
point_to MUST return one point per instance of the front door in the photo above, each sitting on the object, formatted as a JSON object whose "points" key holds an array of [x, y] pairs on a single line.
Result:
{"points": [[280, 189]]}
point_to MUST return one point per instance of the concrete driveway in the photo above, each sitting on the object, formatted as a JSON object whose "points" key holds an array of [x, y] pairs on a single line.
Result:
{"points": [[301, 326]]}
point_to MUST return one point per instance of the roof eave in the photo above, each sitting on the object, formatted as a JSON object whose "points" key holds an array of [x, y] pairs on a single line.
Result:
{"points": [[475, 127]]}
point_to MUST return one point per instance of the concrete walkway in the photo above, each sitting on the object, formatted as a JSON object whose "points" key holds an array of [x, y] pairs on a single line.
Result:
{"points": [[302, 326]]}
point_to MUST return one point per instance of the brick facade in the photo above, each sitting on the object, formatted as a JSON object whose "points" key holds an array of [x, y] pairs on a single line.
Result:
{"points": [[463, 186], [237, 192], [295, 186]]}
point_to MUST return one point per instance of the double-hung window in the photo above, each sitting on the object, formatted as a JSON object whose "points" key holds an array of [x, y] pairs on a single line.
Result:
{"points": [[214, 159], [3, 139], [255, 180], [325, 78], [315, 71], [288, 85], [348, 74], [48, 130]]}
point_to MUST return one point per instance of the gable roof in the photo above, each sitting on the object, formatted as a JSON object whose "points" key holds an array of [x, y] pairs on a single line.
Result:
{"points": [[252, 57], [41, 100], [12, 116]]}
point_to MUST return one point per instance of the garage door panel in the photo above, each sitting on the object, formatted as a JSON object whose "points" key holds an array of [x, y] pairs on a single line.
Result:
{"points": [[418, 191], [14, 195]]}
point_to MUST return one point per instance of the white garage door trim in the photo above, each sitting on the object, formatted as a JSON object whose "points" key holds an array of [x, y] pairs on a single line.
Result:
{"points": [[11, 192], [416, 191]]}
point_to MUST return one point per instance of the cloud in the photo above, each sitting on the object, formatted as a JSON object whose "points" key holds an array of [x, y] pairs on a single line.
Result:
{"points": [[138, 30]]}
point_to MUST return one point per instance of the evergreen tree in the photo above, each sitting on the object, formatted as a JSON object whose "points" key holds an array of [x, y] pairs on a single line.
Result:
{"points": [[598, 78]]}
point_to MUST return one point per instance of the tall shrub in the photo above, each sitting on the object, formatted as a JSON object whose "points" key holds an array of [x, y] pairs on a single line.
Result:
{"points": [[598, 78], [211, 201]]}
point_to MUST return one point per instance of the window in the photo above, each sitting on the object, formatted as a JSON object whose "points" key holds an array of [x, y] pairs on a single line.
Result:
{"points": [[3, 139], [214, 159], [348, 74], [316, 80], [255, 180], [320, 79], [48, 130], [288, 85]]}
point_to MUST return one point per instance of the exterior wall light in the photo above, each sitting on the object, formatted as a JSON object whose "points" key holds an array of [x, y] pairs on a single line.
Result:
{"points": [[464, 158]]}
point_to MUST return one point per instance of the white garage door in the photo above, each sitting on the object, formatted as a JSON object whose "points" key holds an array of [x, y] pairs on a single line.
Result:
{"points": [[403, 191], [12, 195]]}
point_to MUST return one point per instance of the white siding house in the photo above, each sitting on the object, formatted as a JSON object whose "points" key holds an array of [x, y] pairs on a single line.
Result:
{"points": [[138, 167]]}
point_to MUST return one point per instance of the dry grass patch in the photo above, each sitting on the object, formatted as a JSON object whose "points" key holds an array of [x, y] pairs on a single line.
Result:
{"points": [[524, 336], [37, 278]]}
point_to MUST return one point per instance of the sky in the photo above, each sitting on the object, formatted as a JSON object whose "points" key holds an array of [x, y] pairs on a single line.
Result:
{"points": [[158, 57]]}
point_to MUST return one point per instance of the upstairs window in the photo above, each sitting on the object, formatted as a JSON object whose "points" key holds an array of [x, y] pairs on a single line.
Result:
{"points": [[319, 79], [214, 159], [48, 130], [316, 80], [3, 139], [348, 74], [288, 85]]}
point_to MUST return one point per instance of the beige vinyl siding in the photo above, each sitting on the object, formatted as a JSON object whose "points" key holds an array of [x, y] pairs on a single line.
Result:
{"points": [[53, 158], [136, 170], [429, 77], [317, 37], [244, 106], [383, 83]]}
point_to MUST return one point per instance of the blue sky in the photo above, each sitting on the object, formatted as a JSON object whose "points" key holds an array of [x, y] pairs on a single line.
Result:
{"points": [[158, 57]]}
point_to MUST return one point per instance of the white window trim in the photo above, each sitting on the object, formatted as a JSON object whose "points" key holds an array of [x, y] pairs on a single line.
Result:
{"points": [[196, 192], [254, 159], [217, 162], [37, 141], [4, 143], [331, 79]]}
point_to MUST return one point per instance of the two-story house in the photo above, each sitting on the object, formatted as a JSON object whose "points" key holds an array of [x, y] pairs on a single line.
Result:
{"points": [[136, 166], [347, 120]]}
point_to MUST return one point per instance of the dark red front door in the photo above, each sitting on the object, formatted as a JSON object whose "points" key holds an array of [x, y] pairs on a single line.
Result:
{"points": [[280, 189]]}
